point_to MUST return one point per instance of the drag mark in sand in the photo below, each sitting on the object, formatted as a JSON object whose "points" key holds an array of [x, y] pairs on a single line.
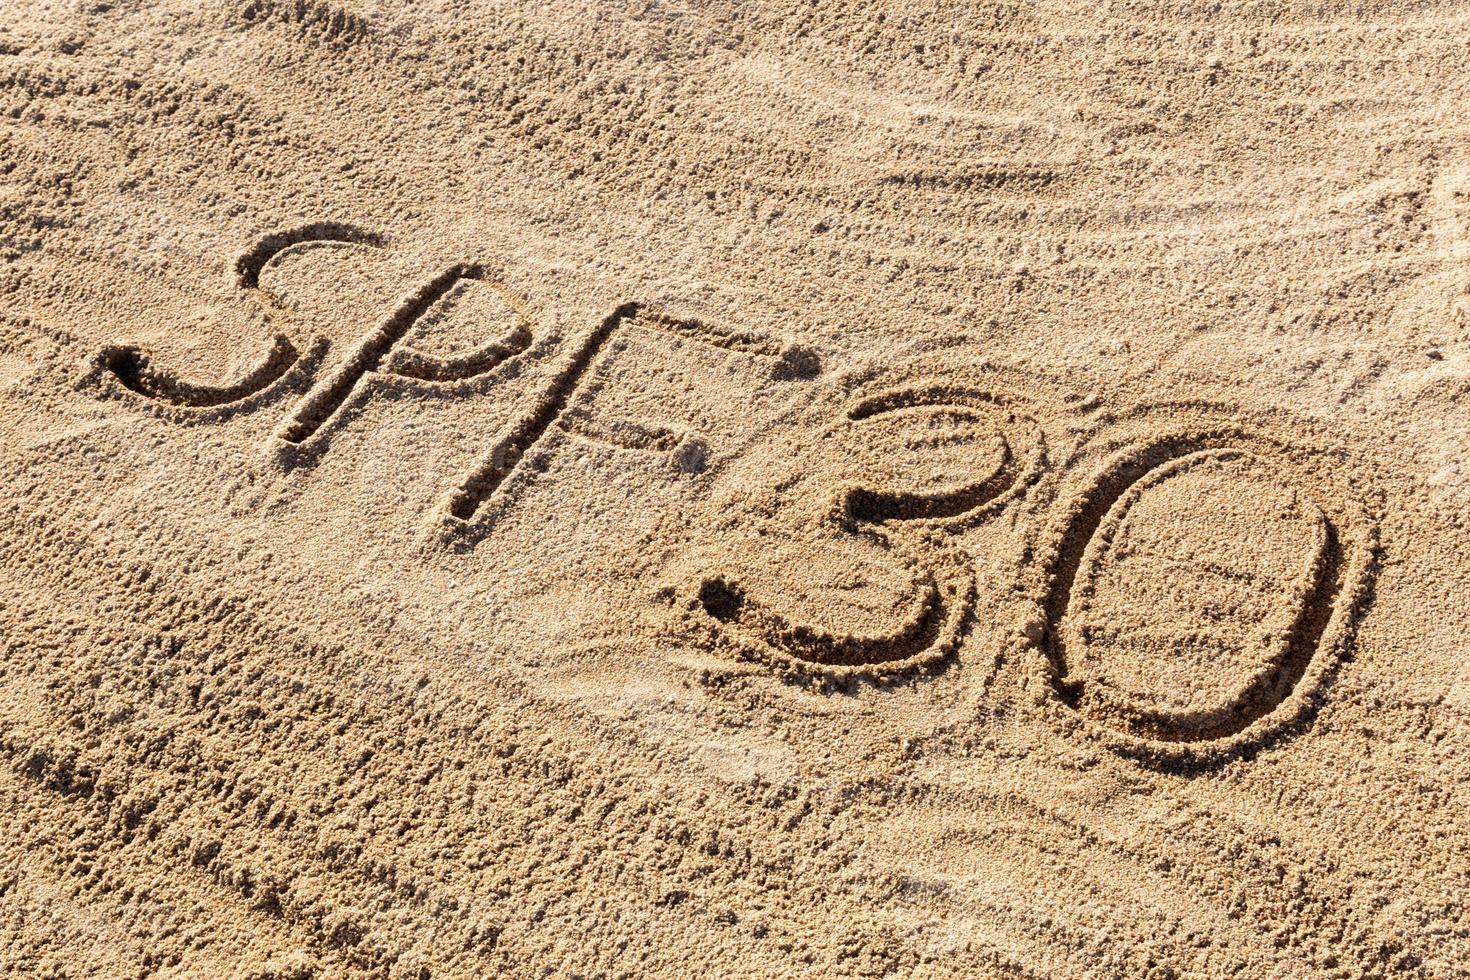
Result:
{"points": [[134, 367], [331, 392], [496, 466], [875, 585], [250, 265], [488, 475], [1198, 585], [974, 451], [843, 606], [376, 353]]}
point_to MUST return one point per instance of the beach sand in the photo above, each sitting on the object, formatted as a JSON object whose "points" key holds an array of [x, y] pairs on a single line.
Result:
{"points": [[662, 489]]}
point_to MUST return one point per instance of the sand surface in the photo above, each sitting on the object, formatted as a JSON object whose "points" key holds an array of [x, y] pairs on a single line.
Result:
{"points": [[697, 489]]}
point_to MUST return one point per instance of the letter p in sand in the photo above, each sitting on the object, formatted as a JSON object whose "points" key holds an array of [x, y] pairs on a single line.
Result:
{"points": [[375, 352]]}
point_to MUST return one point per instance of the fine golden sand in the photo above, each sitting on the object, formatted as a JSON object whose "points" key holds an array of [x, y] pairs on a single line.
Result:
{"points": [[693, 489]]}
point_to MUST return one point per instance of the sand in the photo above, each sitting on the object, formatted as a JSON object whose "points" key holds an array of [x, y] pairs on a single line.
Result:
{"points": [[664, 489]]}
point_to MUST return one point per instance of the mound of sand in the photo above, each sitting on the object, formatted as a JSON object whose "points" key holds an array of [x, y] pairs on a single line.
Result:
{"points": [[807, 490]]}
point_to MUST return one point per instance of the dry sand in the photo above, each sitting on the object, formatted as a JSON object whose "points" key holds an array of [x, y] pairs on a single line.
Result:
{"points": [[660, 489]]}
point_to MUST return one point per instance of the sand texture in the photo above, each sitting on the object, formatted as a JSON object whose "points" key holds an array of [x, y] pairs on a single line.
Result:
{"points": [[665, 489]]}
